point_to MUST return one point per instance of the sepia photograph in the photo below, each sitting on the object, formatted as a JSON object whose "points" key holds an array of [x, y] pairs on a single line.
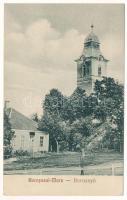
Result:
{"points": [[64, 90]]}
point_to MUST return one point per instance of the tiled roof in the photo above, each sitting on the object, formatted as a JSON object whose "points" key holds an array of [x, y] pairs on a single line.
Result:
{"points": [[20, 121]]}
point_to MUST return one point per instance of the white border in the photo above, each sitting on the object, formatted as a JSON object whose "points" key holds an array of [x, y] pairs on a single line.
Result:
{"points": [[1, 103], [63, 1], [1, 96]]}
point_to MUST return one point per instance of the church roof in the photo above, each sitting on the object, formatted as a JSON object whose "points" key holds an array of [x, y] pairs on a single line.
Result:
{"points": [[20, 121], [92, 38], [88, 52], [91, 47]]}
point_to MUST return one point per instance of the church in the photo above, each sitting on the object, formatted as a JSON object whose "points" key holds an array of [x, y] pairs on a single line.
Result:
{"points": [[91, 65]]}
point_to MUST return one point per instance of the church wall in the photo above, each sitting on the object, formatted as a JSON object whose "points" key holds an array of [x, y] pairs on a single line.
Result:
{"points": [[95, 65], [86, 85]]}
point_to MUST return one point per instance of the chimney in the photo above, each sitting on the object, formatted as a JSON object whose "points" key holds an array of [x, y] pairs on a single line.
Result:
{"points": [[6, 104]]}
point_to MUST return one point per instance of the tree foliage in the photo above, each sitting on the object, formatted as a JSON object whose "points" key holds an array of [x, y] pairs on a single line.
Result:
{"points": [[8, 135], [35, 117], [64, 117], [111, 96]]}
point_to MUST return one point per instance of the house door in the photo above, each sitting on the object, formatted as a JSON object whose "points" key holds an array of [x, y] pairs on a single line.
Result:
{"points": [[32, 136]]}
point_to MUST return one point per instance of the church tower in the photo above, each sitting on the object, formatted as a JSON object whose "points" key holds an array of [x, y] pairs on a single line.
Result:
{"points": [[91, 65]]}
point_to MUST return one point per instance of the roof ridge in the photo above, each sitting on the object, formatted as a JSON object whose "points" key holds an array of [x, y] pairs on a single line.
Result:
{"points": [[22, 114]]}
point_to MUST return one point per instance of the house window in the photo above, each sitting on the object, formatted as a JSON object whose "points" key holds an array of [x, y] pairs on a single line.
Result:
{"points": [[99, 71], [32, 134], [41, 141]]}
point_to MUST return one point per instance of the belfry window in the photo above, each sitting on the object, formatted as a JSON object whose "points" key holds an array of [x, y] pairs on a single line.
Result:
{"points": [[86, 70], [99, 71]]}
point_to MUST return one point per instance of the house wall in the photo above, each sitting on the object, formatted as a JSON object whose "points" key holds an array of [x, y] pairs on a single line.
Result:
{"points": [[22, 141]]}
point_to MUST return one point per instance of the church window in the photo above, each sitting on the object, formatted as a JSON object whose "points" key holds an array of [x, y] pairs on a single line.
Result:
{"points": [[99, 71], [41, 141]]}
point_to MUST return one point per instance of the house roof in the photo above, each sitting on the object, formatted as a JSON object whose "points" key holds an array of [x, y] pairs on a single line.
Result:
{"points": [[20, 121]]}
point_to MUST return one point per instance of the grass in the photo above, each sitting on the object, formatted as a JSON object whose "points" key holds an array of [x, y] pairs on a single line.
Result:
{"points": [[62, 160]]}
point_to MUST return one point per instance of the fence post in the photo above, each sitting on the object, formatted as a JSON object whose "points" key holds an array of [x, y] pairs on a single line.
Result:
{"points": [[82, 161]]}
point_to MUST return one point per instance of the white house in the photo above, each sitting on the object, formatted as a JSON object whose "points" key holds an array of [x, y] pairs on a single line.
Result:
{"points": [[27, 137]]}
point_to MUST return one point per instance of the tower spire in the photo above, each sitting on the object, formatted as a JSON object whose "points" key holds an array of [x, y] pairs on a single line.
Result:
{"points": [[89, 67]]}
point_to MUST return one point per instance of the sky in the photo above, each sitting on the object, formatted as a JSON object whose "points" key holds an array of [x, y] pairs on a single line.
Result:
{"points": [[42, 42]]}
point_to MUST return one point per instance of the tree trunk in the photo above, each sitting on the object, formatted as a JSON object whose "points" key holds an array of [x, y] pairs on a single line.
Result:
{"points": [[82, 152], [57, 146], [121, 147]]}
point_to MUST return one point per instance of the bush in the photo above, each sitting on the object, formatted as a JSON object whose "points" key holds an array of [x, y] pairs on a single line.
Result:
{"points": [[21, 153], [7, 152]]}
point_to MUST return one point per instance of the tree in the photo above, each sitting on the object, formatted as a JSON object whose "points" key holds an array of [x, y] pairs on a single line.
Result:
{"points": [[117, 119], [53, 103], [111, 107], [53, 117], [100, 113], [8, 135], [35, 117], [80, 130], [108, 88], [67, 113], [78, 100], [68, 120], [76, 106], [52, 125]]}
